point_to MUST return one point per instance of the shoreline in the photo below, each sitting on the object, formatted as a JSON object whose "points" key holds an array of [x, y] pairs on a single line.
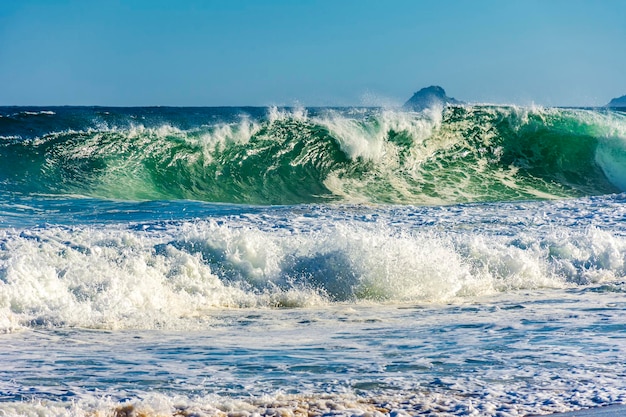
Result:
{"points": [[615, 410]]}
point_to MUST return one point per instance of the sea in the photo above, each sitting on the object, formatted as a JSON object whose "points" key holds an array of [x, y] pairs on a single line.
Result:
{"points": [[463, 260]]}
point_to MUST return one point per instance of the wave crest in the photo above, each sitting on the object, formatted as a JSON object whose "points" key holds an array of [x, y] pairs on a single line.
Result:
{"points": [[456, 154], [174, 275]]}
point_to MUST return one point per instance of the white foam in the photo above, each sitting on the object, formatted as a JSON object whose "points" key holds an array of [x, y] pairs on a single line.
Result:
{"points": [[516, 401], [112, 277], [36, 113], [367, 138], [10, 138]]}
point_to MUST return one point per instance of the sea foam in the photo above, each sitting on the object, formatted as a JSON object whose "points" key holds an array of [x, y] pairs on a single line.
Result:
{"points": [[172, 275]]}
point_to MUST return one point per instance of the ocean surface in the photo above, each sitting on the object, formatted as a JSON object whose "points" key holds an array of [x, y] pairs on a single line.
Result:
{"points": [[460, 261]]}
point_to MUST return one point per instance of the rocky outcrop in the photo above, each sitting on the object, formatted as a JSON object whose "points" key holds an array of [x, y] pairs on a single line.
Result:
{"points": [[617, 102], [429, 97]]}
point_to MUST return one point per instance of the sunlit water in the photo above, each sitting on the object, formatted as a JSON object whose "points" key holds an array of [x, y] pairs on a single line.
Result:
{"points": [[348, 299]]}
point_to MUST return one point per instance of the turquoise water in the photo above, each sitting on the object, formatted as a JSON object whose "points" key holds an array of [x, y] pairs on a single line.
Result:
{"points": [[460, 154], [189, 261]]}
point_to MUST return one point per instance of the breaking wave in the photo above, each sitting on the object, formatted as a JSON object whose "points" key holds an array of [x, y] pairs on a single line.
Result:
{"points": [[458, 154]]}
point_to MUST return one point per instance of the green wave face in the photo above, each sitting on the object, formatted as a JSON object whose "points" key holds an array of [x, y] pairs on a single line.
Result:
{"points": [[493, 154], [464, 154], [279, 162]]}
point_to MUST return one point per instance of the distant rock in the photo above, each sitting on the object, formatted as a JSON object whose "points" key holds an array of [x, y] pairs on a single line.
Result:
{"points": [[429, 97], [617, 102]]}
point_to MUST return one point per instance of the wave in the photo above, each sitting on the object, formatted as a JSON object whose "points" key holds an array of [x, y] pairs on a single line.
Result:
{"points": [[458, 154], [38, 113], [174, 274]]}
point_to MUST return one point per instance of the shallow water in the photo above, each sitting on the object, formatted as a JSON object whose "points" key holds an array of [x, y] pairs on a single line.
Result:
{"points": [[519, 353]]}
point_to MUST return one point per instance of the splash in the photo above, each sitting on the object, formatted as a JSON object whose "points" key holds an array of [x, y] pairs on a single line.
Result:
{"points": [[439, 156], [175, 275]]}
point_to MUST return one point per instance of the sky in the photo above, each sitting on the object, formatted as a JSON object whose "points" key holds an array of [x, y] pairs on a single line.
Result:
{"points": [[310, 53]]}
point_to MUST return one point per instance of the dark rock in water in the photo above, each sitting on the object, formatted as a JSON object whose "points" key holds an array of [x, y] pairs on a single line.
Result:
{"points": [[617, 102], [429, 97]]}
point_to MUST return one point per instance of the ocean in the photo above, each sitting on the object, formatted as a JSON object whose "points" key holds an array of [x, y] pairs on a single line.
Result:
{"points": [[459, 261]]}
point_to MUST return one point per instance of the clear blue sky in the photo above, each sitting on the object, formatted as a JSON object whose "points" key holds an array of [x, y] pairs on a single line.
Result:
{"points": [[333, 52]]}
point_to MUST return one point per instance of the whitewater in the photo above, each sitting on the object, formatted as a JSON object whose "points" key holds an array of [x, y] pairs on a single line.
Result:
{"points": [[462, 260]]}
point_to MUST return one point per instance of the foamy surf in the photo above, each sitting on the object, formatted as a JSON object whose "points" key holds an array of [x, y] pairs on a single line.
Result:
{"points": [[535, 352], [173, 274]]}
